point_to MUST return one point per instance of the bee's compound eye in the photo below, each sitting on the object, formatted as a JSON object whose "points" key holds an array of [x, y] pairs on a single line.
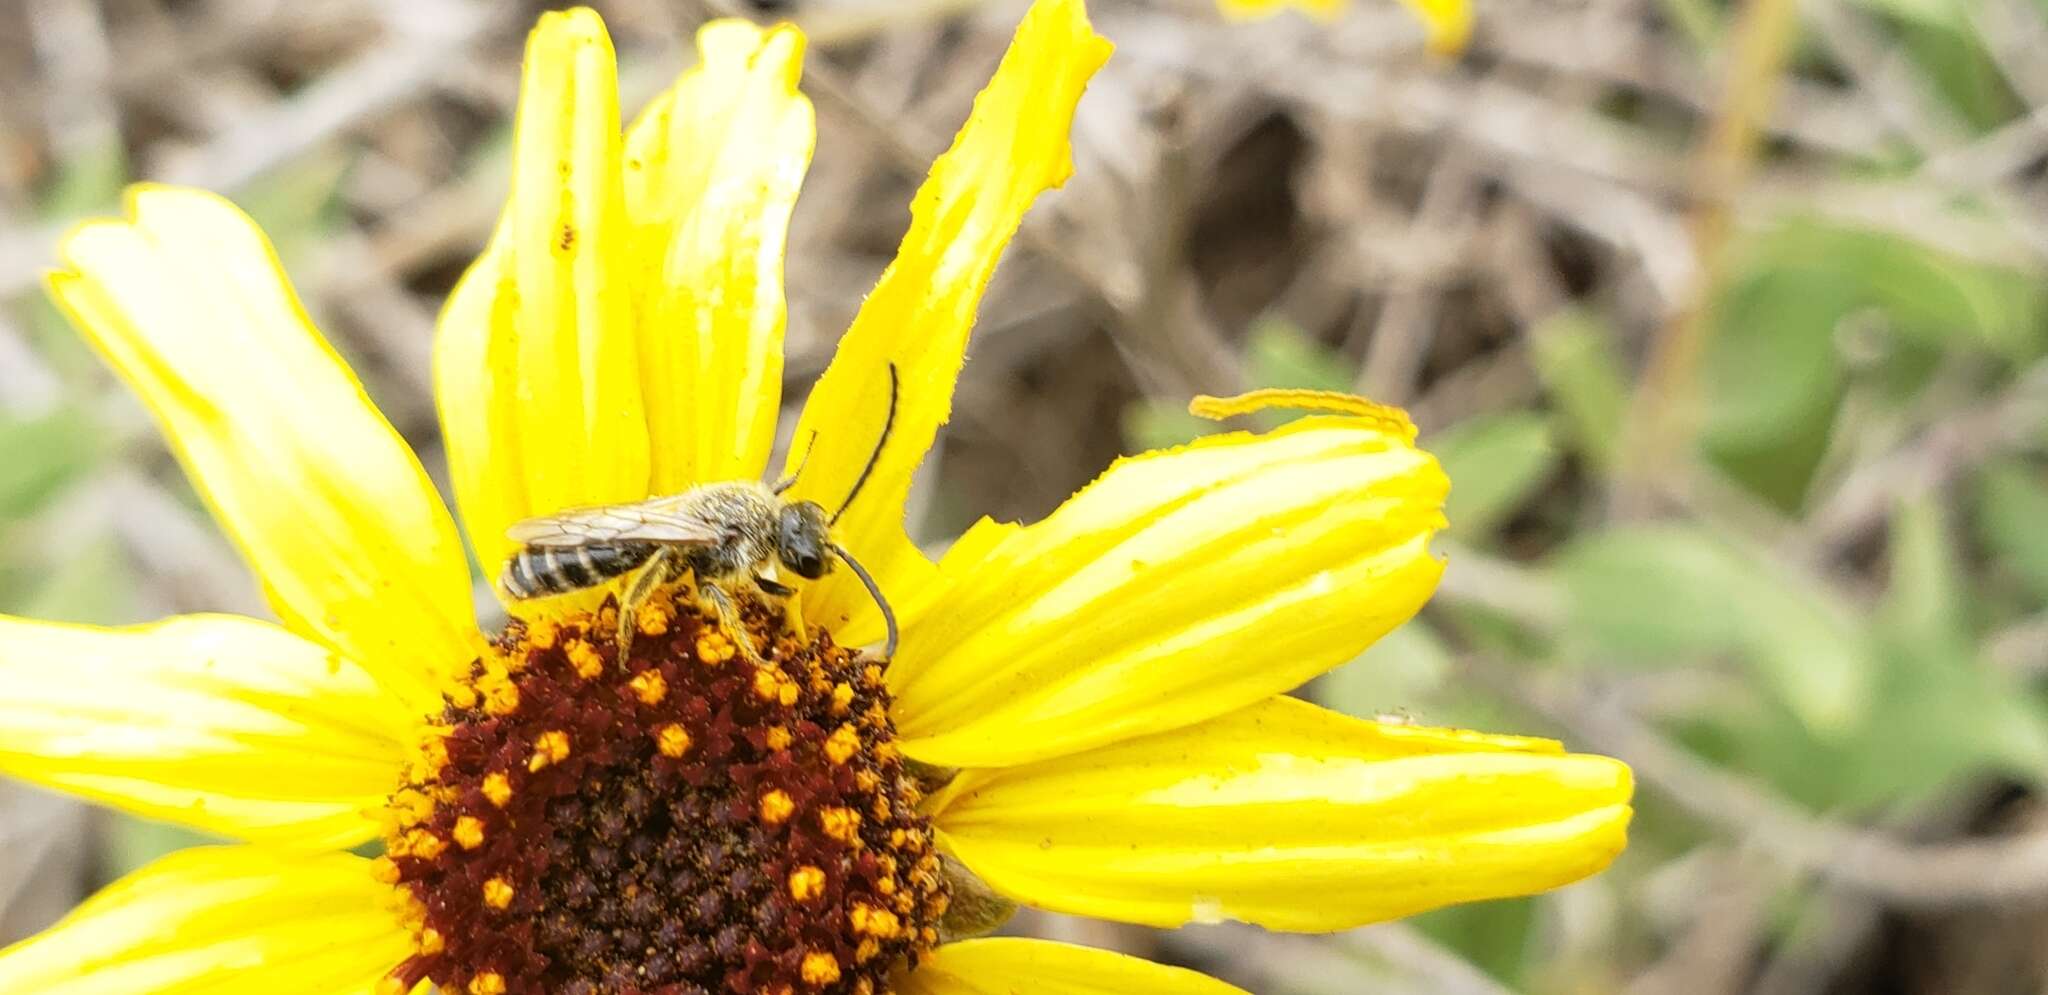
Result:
{"points": [[802, 527]]}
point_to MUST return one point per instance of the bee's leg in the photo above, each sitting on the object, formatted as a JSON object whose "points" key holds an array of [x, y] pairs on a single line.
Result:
{"points": [[781, 592], [729, 619], [650, 577]]}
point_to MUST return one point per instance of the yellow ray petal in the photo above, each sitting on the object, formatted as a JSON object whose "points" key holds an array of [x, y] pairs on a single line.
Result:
{"points": [[1178, 586], [224, 724], [233, 920], [555, 373], [712, 171], [1013, 146], [1288, 816], [475, 373], [186, 300], [1007, 965], [1449, 22]]}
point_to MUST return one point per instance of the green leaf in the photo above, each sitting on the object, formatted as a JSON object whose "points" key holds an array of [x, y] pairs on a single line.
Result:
{"points": [[1495, 463], [90, 585], [133, 842], [1939, 712], [1154, 424], [1669, 594], [2012, 519], [1773, 376], [1397, 675], [39, 456], [296, 204], [1574, 355], [1279, 354], [88, 181]]}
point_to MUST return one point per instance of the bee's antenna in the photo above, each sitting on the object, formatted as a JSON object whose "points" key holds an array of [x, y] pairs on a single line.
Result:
{"points": [[888, 616], [888, 422], [790, 481]]}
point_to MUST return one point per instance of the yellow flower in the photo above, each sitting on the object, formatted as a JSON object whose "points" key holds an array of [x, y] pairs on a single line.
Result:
{"points": [[1086, 714], [1448, 22]]}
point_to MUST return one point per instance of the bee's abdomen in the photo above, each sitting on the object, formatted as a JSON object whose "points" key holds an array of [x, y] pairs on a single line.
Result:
{"points": [[543, 570]]}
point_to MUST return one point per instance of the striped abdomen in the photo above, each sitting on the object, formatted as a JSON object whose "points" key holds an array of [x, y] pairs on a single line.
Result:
{"points": [[542, 570]]}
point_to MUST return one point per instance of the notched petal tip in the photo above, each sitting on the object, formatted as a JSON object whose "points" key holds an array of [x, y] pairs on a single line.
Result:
{"points": [[186, 299]]}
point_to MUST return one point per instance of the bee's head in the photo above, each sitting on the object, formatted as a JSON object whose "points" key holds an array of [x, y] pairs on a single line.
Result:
{"points": [[803, 541]]}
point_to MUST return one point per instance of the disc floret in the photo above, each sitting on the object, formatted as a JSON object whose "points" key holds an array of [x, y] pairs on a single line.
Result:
{"points": [[684, 823]]}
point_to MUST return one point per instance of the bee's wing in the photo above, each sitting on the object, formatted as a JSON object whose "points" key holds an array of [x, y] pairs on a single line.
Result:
{"points": [[662, 520]]}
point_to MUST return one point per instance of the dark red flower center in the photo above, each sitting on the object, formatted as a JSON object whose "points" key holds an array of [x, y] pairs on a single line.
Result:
{"points": [[686, 823]]}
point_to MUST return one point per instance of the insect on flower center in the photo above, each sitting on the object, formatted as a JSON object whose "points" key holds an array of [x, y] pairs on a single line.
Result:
{"points": [[684, 824]]}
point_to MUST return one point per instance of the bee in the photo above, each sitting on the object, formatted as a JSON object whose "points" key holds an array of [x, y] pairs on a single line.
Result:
{"points": [[726, 535]]}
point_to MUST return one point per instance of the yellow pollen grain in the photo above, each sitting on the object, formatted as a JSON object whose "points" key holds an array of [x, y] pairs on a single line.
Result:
{"points": [[842, 698], [806, 883], [420, 843], [541, 635], [498, 789], [842, 744], [714, 648], [881, 808], [649, 687], [434, 751], [778, 737], [501, 696], [549, 748], [868, 920], [469, 832], [787, 693], [887, 886], [584, 657], [462, 696], [820, 969], [886, 752], [867, 781], [767, 683], [875, 717], [384, 870], [840, 823], [498, 893], [411, 807], [868, 949], [487, 983], [653, 619], [776, 807], [673, 741]]}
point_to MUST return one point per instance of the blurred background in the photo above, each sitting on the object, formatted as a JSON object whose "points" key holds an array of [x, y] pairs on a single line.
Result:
{"points": [[1728, 320]]}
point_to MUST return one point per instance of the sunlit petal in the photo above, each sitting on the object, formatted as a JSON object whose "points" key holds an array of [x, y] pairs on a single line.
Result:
{"points": [[225, 724], [712, 171], [1013, 147], [186, 300], [1178, 586], [550, 395], [235, 920], [1289, 816]]}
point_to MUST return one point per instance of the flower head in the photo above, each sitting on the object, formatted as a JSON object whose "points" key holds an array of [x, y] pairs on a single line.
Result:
{"points": [[1086, 714]]}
